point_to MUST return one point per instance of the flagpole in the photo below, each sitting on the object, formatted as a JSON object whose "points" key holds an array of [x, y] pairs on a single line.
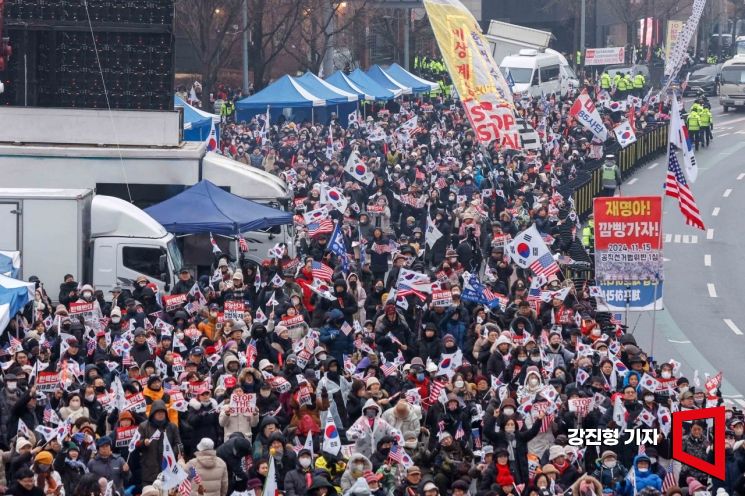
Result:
{"points": [[654, 314]]}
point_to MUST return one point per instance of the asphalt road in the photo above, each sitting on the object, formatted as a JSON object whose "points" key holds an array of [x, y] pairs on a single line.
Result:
{"points": [[703, 323]]}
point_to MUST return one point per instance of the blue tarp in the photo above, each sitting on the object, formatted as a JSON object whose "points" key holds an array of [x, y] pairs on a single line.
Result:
{"points": [[386, 81], [370, 86], [197, 123], [285, 96], [325, 90], [417, 84], [206, 208], [14, 295]]}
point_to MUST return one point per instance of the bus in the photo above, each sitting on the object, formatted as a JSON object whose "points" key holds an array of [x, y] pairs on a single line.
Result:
{"points": [[732, 87]]}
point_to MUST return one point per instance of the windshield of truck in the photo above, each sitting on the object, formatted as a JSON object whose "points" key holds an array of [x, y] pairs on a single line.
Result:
{"points": [[740, 47], [570, 72], [175, 255], [520, 75], [733, 75]]}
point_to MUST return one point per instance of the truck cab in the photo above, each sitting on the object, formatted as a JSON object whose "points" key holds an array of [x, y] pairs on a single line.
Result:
{"points": [[126, 243], [534, 73]]}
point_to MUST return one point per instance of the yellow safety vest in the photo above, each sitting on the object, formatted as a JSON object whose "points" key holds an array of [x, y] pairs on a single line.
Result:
{"points": [[638, 81], [694, 122], [705, 117], [605, 81]]}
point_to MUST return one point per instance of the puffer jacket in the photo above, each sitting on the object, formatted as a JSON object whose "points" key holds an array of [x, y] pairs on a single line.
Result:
{"points": [[152, 455], [212, 470], [237, 422], [365, 437]]}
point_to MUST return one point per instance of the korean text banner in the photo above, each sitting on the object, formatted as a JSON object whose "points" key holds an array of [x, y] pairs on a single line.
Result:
{"points": [[628, 238], [604, 56], [640, 296], [481, 86]]}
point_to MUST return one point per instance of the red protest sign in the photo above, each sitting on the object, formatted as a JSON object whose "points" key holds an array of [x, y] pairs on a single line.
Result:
{"points": [[234, 310], [124, 435], [174, 302], [291, 322], [78, 308], [47, 382], [135, 403]]}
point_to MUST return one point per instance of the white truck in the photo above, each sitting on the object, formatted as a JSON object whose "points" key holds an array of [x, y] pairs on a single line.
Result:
{"points": [[131, 154], [98, 239], [507, 40]]}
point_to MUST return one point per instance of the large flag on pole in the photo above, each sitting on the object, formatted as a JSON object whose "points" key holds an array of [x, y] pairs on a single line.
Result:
{"points": [[171, 472], [270, 484], [679, 137], [529, 251], [331, 439], [677, 187], [484, 93]]}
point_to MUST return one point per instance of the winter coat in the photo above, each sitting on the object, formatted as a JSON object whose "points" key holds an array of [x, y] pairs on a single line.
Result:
{"points": [[609, 476], [66, 412], [518, 448], [152, 396], [430, 348], [347, 478], [597, 486], [337, 343], [237, 422], [232, 452], [110, 468], [366, 437], [296, 481], [643, 480], [410, 423], [212, 470], [152, 455], [202, 422]]}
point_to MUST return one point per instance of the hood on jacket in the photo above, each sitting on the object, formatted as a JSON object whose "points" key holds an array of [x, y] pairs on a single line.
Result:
{"points": [[639, 458], [266, 421], [230, 358], [527, 325], [359, 458], [206, 458], [370, 403], [197, 405], [158, 406]]}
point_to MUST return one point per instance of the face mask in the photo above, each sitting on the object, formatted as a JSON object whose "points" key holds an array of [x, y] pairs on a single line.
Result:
{"points": [[611, 463], [666, 375], [521, 359], [509, 430], [683, 389], [410, 444], [533, 382], [206, 403], [116, 320], [74, 403], [649, 398], [420, 377], [508, 411], [370, 413], [596, 332], [359, 467], [459, 384], [643, 470], [12, 386], [305, 462], [89, 397]]}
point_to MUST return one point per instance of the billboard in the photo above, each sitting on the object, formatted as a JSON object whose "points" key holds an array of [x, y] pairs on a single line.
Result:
{"points": [[604, 56]]}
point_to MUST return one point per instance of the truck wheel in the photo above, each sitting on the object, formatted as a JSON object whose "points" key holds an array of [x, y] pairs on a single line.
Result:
{"points": [[725, 108]]}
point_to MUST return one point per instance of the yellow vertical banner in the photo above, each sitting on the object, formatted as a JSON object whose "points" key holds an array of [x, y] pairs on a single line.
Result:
{"points": [[483, 91]]}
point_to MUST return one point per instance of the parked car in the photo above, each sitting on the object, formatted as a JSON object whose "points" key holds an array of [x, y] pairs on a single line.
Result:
{"points": [[706, 78]]}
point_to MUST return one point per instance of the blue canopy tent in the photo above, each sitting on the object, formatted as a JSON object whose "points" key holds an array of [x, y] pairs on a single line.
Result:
{"points": [[341, 81], [382, 78], [206, 208], [14, 295], [371, 87], [285, 96], [339, 101], [417, 84], [197, 123]]}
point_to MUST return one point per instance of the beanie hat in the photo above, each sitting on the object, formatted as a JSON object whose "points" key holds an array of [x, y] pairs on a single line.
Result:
{"points": [[555, 452], [694, 485], [205, 444], [44, 457]]}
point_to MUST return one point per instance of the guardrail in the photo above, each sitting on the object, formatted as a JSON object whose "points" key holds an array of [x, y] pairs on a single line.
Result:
{"points": [[587, 185]]}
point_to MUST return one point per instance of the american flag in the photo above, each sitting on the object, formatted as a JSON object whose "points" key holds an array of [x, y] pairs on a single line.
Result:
{"points": [[434, 392], [15, 344], [544, 265], [323, 226], [127, 360], [388, 368], [184, 488], [322, 271], [48, 413], [242, 243], [459, 432], [404, 290], [193, 474], [251, 352], [397, 454], [676, 186], [441, 183], [91, 346], [669, 478]]}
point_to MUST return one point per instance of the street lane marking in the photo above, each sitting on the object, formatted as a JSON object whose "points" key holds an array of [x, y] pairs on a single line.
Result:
{"points": [[712, 290], [677, 238], [679, 342], [740, 176], [633, 181], [726, 193], [741, 402], [715, 212], [710, 234], [653, 166], [707, 260], [733, 327], [723, 135], [668, 238]]}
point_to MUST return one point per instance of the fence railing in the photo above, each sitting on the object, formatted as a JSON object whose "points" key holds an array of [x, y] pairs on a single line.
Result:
{"points": [[587, 184]]}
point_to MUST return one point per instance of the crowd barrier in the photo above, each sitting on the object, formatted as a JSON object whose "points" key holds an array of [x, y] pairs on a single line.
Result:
{"points": [[588, 183]]}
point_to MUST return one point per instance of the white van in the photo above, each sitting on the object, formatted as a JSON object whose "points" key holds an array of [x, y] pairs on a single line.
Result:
{"points": [[732, 83], [569, 79], [533, 72]]}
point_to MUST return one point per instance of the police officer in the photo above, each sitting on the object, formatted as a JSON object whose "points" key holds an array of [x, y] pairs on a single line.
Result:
{"points": [[694, 124], [705, 119], [588, 234], [227, 111], [621, 87], [611, 176], [639, 85], [629, 83], [605, 81]]}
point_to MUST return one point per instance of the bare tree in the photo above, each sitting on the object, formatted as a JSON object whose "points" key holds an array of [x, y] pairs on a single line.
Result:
{"points": [[210, 26], [272, 24], [324, 25], [629, 12]]}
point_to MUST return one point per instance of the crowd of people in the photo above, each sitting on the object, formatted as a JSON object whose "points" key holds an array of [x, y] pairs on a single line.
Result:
{"points": [[402, 351]]}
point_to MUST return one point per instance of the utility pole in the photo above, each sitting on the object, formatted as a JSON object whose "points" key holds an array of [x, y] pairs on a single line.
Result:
{"points": [[245, 48], [582, 16], [407, 29]]}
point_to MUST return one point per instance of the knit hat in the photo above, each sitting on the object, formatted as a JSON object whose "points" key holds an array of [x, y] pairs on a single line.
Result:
{"points": [[372, 380], [555, 452], [44, 457], [205, 444], [693, 485], [150, 491], [21, 443], [549, 469]]}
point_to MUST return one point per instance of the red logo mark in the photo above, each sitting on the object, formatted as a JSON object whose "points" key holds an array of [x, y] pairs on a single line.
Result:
{"points": [[716, 469]]}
